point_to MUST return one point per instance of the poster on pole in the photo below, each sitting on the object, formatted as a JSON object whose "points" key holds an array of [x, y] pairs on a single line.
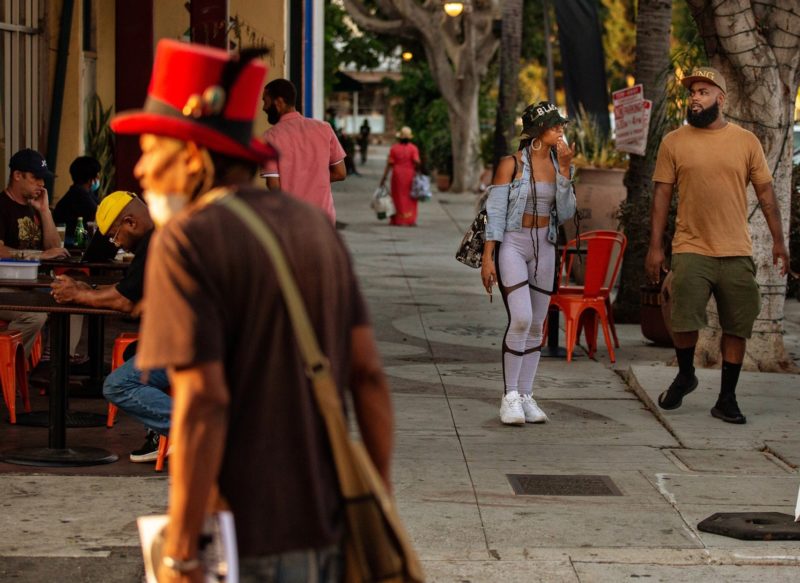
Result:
{"points": [[631, 119]]}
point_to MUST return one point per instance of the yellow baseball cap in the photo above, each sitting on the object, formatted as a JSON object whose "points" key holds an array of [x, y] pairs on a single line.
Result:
{"points": [[110, 207]]}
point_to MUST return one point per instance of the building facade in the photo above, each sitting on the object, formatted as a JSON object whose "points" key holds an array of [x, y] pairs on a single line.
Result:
{"points": [[58, 56]]}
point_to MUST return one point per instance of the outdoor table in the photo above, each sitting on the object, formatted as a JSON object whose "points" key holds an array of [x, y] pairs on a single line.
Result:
{"points": [[75, 263], [553, 350], [44, 281], [96, 331], [56, 453]]}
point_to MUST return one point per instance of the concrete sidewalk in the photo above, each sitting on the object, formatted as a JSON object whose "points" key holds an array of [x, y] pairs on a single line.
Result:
{"points": [[440, 340], [440, 336]]}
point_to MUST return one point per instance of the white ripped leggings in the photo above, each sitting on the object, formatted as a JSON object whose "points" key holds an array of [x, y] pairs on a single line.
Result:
{"points": [[526, 293]]}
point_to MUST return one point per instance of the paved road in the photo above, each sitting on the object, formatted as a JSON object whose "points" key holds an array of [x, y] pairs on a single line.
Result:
{"points": [[439, 337]]}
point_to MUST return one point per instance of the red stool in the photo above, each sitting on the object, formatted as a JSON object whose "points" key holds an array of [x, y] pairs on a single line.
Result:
{"points": [[120, 344], [163, 450], [13, 372], [36, 352]]}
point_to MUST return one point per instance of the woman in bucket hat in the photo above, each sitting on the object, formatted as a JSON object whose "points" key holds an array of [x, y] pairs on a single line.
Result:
{"points": [[403, 162], [520, 254]]}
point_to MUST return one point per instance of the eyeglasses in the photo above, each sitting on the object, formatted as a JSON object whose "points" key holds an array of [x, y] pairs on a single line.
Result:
{"points": [[113, 238]]}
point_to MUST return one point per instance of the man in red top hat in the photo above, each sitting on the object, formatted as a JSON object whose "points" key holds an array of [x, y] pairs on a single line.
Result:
{"points": [[245, 422]]}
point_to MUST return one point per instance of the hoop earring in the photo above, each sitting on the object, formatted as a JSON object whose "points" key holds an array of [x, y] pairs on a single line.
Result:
{"points": [[534, 147]]}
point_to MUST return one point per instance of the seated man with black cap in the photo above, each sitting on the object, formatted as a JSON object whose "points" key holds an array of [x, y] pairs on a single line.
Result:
{"points": [[27, 229], [125, 219]]}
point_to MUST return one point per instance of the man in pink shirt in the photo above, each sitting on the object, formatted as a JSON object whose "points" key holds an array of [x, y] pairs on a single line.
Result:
{"points": [[310, 156]]}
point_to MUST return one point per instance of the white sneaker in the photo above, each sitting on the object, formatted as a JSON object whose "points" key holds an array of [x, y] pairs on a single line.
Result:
{"points": [[533, 414], [511, 412]]}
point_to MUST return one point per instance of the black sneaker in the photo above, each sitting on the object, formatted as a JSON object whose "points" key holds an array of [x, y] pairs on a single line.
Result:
{"points": [[727, 409], [673, 396], [149, 450]]}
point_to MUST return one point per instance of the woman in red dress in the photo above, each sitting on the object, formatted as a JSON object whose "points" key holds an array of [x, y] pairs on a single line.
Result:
{"points": [[403, 162]]}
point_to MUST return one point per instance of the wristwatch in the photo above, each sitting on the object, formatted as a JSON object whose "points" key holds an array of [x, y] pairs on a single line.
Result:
{"points": [[180, 565]]}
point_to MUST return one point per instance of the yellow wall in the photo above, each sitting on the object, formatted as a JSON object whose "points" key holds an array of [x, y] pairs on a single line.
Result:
{"points": [[106, 52], [170, 19], [71, 135], [263, 22]]}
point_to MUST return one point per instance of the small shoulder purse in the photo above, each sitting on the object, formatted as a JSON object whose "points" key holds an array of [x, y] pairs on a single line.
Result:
{"points": [[470, 251]]}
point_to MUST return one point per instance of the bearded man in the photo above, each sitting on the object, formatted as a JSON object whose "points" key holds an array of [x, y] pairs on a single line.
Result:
{"points": [[712, 161], [310, 156]]}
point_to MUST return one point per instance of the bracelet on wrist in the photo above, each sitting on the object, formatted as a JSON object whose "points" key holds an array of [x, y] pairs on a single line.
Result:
{"points": [[180, 565]]}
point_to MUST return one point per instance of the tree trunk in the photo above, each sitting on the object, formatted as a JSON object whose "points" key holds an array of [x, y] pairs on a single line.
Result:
{"points": [[458, 51], [510, 52], [757, 53], [465, 135], [653, 21]]}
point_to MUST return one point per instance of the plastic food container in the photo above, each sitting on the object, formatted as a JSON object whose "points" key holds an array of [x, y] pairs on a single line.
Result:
{"points": [[19, 268]]}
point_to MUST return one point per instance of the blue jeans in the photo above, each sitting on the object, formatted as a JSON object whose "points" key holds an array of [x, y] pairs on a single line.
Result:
{"points": [[145, 402], [324, 565]]}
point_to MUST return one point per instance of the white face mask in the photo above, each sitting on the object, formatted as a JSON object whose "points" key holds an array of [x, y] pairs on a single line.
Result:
{"points": [[163, 207]]}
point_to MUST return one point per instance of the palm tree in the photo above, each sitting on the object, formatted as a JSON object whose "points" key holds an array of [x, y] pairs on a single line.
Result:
{"points": [[510, 53], [653, 21]]}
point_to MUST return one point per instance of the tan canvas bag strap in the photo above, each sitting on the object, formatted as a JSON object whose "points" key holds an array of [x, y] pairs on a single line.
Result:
{"points": [[317, 365]]}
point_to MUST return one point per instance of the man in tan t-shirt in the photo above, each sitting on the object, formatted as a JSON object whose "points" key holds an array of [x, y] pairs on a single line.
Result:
{"points": [[711, 161]]}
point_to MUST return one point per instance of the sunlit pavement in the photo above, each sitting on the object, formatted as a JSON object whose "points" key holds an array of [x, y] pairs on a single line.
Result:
{"points": [[654, 475]]}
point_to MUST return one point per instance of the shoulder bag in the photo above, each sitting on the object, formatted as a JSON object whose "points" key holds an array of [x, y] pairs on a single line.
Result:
{"points": [[376, 545], [470, 251], [421, 187]]}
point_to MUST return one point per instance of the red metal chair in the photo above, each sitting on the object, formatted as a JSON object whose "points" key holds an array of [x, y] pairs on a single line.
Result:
{"points": [[36, 352], [583, 304], [163, 450], [13, 372], [120, 344], [608, 285]]}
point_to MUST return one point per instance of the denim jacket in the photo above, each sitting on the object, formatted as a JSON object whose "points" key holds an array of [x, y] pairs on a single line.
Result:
{"points": [[506, 204]]}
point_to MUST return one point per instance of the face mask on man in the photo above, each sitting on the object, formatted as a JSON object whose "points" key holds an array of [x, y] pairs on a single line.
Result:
{"points": [[163, 207], [95, 186]]}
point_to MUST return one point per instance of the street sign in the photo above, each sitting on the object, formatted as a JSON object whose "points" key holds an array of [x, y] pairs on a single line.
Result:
{"points": [[631, 119]]}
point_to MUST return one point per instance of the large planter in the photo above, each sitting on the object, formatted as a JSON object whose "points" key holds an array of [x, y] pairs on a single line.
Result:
{"points": [[443, 182], [599, 193]]}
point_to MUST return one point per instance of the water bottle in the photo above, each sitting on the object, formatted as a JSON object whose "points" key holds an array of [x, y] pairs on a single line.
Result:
{"points": [[80, 234]]}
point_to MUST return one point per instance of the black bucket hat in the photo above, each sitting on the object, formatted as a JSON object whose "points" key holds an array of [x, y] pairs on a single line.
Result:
{"points": [[539, 117]]}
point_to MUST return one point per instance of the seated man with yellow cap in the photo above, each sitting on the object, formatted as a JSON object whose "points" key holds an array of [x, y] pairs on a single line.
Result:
{"points": [[124, 218]]}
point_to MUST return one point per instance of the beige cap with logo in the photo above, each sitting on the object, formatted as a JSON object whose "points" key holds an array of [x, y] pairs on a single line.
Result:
{"points": [[707, 74]]}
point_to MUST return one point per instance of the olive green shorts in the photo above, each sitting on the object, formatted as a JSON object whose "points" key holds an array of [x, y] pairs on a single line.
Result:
{"points": [[732, 280]]}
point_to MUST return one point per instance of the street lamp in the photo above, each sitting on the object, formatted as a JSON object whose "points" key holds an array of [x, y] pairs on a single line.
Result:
{"points": [[455, 7], [407, 56]]}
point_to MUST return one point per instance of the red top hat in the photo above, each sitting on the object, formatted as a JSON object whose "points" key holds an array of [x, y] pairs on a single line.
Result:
{"points": [[196, 94]]}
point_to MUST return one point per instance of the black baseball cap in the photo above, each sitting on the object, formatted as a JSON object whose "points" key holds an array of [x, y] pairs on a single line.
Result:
{"points": [[28, 160]]}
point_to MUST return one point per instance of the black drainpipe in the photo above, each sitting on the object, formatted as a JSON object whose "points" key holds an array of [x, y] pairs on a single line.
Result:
{"points": [[54, 128]]}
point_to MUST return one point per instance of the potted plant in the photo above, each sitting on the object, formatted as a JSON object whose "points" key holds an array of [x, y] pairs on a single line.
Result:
{"points": [[600, 171]]}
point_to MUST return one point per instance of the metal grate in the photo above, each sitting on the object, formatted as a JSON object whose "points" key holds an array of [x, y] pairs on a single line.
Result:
{"points": [[562, 485]]}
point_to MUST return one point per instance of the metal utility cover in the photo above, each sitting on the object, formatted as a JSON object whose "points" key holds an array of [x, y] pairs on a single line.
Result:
{"points": [[562, 485], [752, 525]]}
